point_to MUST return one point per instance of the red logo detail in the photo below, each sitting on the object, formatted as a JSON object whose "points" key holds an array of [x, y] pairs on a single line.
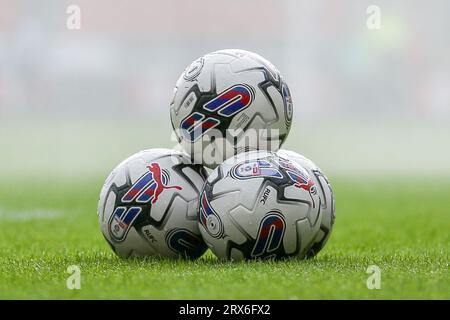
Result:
{"points": [[305, 186], [159, 186], [308, 186]]}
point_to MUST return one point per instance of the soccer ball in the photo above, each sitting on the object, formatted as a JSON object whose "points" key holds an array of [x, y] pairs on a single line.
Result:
{"points": [[148, 206], [327, 202], [258, 205], [227, 102]]}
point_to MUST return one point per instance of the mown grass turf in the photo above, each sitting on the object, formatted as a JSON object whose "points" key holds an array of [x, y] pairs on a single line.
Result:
{"points": [[401, 225]]}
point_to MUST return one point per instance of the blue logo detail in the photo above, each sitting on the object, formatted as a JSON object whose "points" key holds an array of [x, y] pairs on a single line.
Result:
{"points": [[121, 221]]}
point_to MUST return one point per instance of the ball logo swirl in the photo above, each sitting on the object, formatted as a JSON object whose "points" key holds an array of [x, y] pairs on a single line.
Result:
{"points": [[121, 222], [288, 104], [260, 168], [184, 242], [209, 218], [146, 189], [228, 103], [300, 178], [270, 235], [150, 186], [193, 70]]}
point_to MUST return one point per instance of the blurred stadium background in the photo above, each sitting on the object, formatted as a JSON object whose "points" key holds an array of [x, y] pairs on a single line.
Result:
{"points": [[74, 103]]}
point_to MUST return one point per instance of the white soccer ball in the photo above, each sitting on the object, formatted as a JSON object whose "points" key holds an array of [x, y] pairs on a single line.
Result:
{"points": [[258, 205], [149, 204], [227, 102], [327, 201]]}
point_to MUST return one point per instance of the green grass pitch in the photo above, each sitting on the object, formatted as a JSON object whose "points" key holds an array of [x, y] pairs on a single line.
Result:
{"points": [[401, 225]]}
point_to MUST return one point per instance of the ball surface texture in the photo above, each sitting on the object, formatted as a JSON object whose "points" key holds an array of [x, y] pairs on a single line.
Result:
{"points": [[148, 206], [258, 205], [327, 201], [227, 102]]}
